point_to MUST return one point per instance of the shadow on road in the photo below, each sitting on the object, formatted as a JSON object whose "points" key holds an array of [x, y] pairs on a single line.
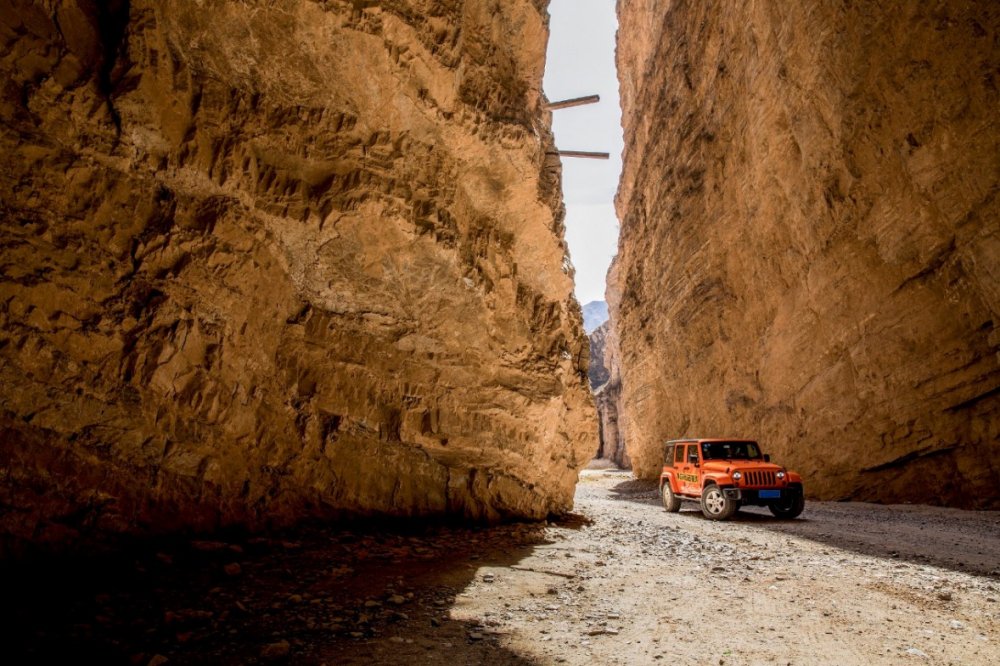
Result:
{"points": [[964, 541], [308, 596]]}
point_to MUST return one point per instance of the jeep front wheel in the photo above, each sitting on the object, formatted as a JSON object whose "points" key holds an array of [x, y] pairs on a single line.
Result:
{"points": [[789, 507], [715, 505], [671, 502]]}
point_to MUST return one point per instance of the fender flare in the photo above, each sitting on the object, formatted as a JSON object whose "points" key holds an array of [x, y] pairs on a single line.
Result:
{"points": [[718, 479]]}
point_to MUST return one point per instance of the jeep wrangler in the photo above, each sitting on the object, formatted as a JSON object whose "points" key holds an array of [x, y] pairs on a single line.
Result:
{"points": [[725, 474]]}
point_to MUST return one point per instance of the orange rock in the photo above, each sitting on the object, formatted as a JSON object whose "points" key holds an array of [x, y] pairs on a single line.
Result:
{"points": [[298, 261], [809, 242]]}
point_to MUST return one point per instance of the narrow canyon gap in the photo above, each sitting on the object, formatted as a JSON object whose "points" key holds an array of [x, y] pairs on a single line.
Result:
{"points": [[810, 241], [265, 261]]}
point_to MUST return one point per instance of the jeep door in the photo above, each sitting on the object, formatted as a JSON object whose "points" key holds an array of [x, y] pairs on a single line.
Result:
{"points": [[689, 471]]}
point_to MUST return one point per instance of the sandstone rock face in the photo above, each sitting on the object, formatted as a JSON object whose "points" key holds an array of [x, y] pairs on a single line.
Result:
{"points": [[810, 245], [269, 260]]}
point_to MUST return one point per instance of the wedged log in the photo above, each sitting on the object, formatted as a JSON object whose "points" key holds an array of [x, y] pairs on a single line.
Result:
{"points": [[576, 101]]}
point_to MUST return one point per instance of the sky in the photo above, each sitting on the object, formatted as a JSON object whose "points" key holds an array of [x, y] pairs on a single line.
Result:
{"points": [[581, 61]]}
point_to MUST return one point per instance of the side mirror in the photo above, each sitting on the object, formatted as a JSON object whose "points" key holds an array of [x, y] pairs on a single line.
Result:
{"points": [[767, 458]]}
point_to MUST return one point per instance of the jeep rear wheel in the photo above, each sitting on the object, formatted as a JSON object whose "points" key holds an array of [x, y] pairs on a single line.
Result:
{"points": [[715, 505], [671, 502], [789, 507]]}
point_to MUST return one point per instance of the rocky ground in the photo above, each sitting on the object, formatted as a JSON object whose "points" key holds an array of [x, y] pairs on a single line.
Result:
{"points": [[619, 582]]}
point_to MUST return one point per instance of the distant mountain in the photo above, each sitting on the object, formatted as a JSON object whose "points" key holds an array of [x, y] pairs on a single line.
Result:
{"points": [[595, 313]]}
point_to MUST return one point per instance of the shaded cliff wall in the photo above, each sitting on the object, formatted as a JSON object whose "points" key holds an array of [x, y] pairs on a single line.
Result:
{"points": [[608, 396], [597, 370], [612, 443], [270, 260], [810, 239]]}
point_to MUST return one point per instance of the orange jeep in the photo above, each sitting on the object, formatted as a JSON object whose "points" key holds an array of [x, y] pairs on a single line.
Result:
{"points": [[725, 474]]}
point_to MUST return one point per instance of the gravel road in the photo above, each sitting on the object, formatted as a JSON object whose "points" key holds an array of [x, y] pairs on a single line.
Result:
{"points": [[620, 581], [846, 583]]}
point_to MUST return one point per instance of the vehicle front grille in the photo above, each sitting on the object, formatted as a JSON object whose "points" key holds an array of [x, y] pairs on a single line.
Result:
{"points": [[758, 478]]}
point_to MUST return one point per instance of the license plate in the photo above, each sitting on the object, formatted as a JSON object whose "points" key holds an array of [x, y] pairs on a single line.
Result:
{"points": [[769, 494]]}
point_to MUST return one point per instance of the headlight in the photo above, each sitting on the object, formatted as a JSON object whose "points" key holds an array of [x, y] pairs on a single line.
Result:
{"points": [[737, 476], [780, 475]]}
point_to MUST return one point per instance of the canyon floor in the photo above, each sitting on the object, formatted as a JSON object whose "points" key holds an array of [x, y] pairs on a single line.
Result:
{"points": [[620, 581]]}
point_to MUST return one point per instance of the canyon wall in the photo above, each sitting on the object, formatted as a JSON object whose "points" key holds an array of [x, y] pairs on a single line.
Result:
{"points": [[612, 443], [605, 382], [810, 240], [598, 371], [271, 260]]}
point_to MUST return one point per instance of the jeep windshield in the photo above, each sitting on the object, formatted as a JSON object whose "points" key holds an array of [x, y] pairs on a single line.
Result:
{"points": [[729, 450]]}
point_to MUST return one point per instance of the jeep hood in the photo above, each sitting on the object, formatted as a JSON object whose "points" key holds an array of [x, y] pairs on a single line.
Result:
{"points": [[723, 465]]}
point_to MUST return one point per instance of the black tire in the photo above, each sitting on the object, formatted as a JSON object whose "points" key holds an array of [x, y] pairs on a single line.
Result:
{"points": [[715, 505], [788, 508], [671, 502]]}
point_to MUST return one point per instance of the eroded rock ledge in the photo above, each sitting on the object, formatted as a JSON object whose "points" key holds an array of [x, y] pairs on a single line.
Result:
{"points": [[810, 246], [262, 261]]}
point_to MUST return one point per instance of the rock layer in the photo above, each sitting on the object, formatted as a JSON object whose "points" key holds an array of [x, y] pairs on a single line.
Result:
{"points": [[810, 246], [263, 261]]}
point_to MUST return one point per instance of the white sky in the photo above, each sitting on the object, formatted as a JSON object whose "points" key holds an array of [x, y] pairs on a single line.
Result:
{"points": [[581, 61]]}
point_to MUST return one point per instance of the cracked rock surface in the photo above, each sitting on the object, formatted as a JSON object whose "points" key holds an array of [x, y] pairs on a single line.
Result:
{"points": [[263, 261], [810, 243]]}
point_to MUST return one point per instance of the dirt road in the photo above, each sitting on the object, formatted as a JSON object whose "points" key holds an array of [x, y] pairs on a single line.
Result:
{"points": [[619, 582], [844, 584]]}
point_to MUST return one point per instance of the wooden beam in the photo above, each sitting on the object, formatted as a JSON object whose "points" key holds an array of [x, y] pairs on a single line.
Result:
{"points": [[576, 101], [583, 153]]}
